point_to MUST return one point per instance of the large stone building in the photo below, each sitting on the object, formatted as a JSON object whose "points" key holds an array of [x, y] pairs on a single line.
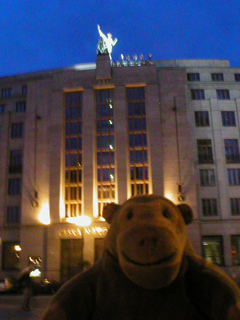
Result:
{"points": [[76, 138]]}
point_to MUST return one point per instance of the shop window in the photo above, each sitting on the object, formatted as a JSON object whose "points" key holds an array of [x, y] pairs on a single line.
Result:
{"points": [[212, 247]]}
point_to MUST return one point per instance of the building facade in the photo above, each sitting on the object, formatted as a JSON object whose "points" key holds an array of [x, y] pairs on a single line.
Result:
{"points": [[74, 139]]}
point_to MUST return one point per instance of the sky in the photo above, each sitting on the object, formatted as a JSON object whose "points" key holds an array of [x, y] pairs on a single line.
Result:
{"points": [[42, 35]]}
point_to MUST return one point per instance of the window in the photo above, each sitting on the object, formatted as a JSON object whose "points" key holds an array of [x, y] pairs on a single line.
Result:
{"points": [[10, 256], [6, 92], [217, 76], [73, 154], [2, 108], [138, 152], [228, 118], [17, 130], [105, 147], [233, 177], [21, 106], [235, 206], [14, 186], [235, 246], [197, 94], [13, 214], [15, 162], [212, 247], [202, 119], [24, 90], [209, 207], [204, 151], [231, 150], [193, 76], [237, 77], [207, 177], [223, 94]]}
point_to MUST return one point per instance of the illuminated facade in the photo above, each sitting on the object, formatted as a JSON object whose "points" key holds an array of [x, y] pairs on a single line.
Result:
{"points": [[74, 139]]}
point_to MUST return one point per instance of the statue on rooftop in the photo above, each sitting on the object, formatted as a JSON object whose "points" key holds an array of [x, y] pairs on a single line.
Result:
{"points": [[106, 43]]}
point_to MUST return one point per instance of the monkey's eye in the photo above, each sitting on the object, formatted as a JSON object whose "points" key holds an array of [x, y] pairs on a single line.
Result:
{"points": [[166, 214], [129, 215]]}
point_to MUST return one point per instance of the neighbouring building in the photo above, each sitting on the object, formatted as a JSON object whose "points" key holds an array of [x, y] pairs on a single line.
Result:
{"points": [[73, 139]]}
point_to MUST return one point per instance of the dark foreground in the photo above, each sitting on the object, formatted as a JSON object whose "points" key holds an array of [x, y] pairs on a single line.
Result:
{"points": [[10, 307]]}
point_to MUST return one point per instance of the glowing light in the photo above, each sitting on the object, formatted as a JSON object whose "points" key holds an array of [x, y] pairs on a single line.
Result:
{"points": [[110, 146], [169, 196], [81, 221], [44, 215], [110, 121], [35, 273], [110, 106], [17, 248]]}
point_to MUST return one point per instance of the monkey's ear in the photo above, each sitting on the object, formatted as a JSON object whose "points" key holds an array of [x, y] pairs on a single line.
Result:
{"points": [[186, 212], [109, 211]]}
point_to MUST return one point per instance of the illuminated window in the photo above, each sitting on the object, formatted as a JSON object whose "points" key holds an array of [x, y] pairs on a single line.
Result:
{"points": [[105, 148], [212, 247], [73, 154], [235, 247], [138, 154]]}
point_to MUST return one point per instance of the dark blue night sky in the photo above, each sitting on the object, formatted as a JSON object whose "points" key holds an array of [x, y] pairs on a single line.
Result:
{"points": [[38, 35]]}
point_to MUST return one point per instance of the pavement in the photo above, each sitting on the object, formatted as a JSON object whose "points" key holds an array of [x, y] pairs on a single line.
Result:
{"points": [[11, 307]]}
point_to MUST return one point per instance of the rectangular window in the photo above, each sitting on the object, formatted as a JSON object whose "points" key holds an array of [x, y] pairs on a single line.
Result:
{"points": [[205, 154], [228, 119], [223, 94], [217, 76], [6, 92], [202, 119], [14, 186], [207, 177], [197, 94], [73, 154], [24, 90], [209, 207], [212, 247], [13, 214], [105, 147], [2, 108], [10, 256], [231, 150], [237, 77], [233, 177], [15, 161], [235, 249], [21, 106], [17, 130], [138, 152], [193, 76], [235, 206]]}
